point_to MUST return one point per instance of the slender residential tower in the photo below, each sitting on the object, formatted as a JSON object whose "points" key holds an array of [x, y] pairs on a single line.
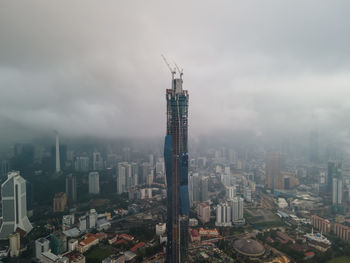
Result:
{"points": [[58, 164], [176, 165]]}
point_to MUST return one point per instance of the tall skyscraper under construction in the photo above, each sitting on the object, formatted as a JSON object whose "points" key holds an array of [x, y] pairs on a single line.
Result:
{"points": [[176, 164]]}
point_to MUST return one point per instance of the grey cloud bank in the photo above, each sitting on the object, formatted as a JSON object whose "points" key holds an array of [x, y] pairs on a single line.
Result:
{"points": [[88, 68]]}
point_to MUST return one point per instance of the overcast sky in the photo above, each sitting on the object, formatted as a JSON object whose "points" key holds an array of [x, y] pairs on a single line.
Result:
{"points": [[95, 67]]}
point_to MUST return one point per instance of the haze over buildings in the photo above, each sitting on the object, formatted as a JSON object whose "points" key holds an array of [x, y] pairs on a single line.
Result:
{"points": [[255, 167], [262, 71]]}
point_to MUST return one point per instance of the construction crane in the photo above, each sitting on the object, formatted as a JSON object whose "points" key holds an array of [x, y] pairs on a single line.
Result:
{"points": [[181, 72], [173, 71]]}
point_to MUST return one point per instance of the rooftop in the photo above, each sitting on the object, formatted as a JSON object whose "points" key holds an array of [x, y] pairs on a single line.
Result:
{"points": [[249, 247], [137, 246]]}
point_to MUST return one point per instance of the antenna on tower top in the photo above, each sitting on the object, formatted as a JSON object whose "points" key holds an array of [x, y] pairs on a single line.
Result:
{"points": [[172, 71]]}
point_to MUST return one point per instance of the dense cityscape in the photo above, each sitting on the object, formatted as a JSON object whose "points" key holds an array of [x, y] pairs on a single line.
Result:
{"points": [[174, 132], [110, 202]]}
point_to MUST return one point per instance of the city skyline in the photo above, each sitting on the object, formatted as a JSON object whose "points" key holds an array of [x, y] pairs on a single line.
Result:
{"points": [[97, 167]]}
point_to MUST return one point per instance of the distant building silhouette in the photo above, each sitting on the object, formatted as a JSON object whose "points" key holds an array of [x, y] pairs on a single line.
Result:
{"points": [[71, 188], [94, 183], [97, 161], [334, 171], [124, 172], [58, 162], [82, 163], [335, 182]]}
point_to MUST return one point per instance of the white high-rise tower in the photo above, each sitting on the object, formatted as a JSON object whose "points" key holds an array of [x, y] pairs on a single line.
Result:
{"points": [[94, 183], [58, 164], [14, 205]]}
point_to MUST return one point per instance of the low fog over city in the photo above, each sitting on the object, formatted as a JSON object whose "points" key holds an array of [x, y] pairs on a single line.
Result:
{"points": [[174, 131]]}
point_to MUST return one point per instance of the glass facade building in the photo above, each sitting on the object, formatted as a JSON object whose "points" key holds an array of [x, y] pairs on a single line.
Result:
{"points": [[176, 165]]}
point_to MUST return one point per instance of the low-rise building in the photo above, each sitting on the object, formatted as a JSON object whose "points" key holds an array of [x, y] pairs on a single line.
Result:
{"points": [[126, 237], [103, 224], [193, 222], [113, 240], [284, 238], [209, 232], [138, 246], [48, 257], [194, 235], [88, 241], [75, 257], [282, 203]]}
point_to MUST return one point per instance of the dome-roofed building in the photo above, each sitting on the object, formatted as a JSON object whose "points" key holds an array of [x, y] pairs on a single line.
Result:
{"points": [[249, 247]]}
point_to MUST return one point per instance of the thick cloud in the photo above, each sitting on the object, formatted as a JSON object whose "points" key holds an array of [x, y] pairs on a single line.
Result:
{"points": [[94, 68]]}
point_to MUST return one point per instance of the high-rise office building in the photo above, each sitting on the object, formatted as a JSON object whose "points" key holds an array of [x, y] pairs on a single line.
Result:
{"points": [[94, 183], [194, 188], [247, 193], [145, 170], [150, 178], [204, 196], [337, 191], [334, 171], [97, 161], [112, 160], [135, 174], [223, 215], [14, 205], [230, 192], [274, 178], [237, 209], [226, 179], [82, 163], [124, 179], [176, 165], [230, 212], [203, 212], [198, 188], [71, 188], [160, 166], [58, 163], [126, 154], [151, 159]]}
